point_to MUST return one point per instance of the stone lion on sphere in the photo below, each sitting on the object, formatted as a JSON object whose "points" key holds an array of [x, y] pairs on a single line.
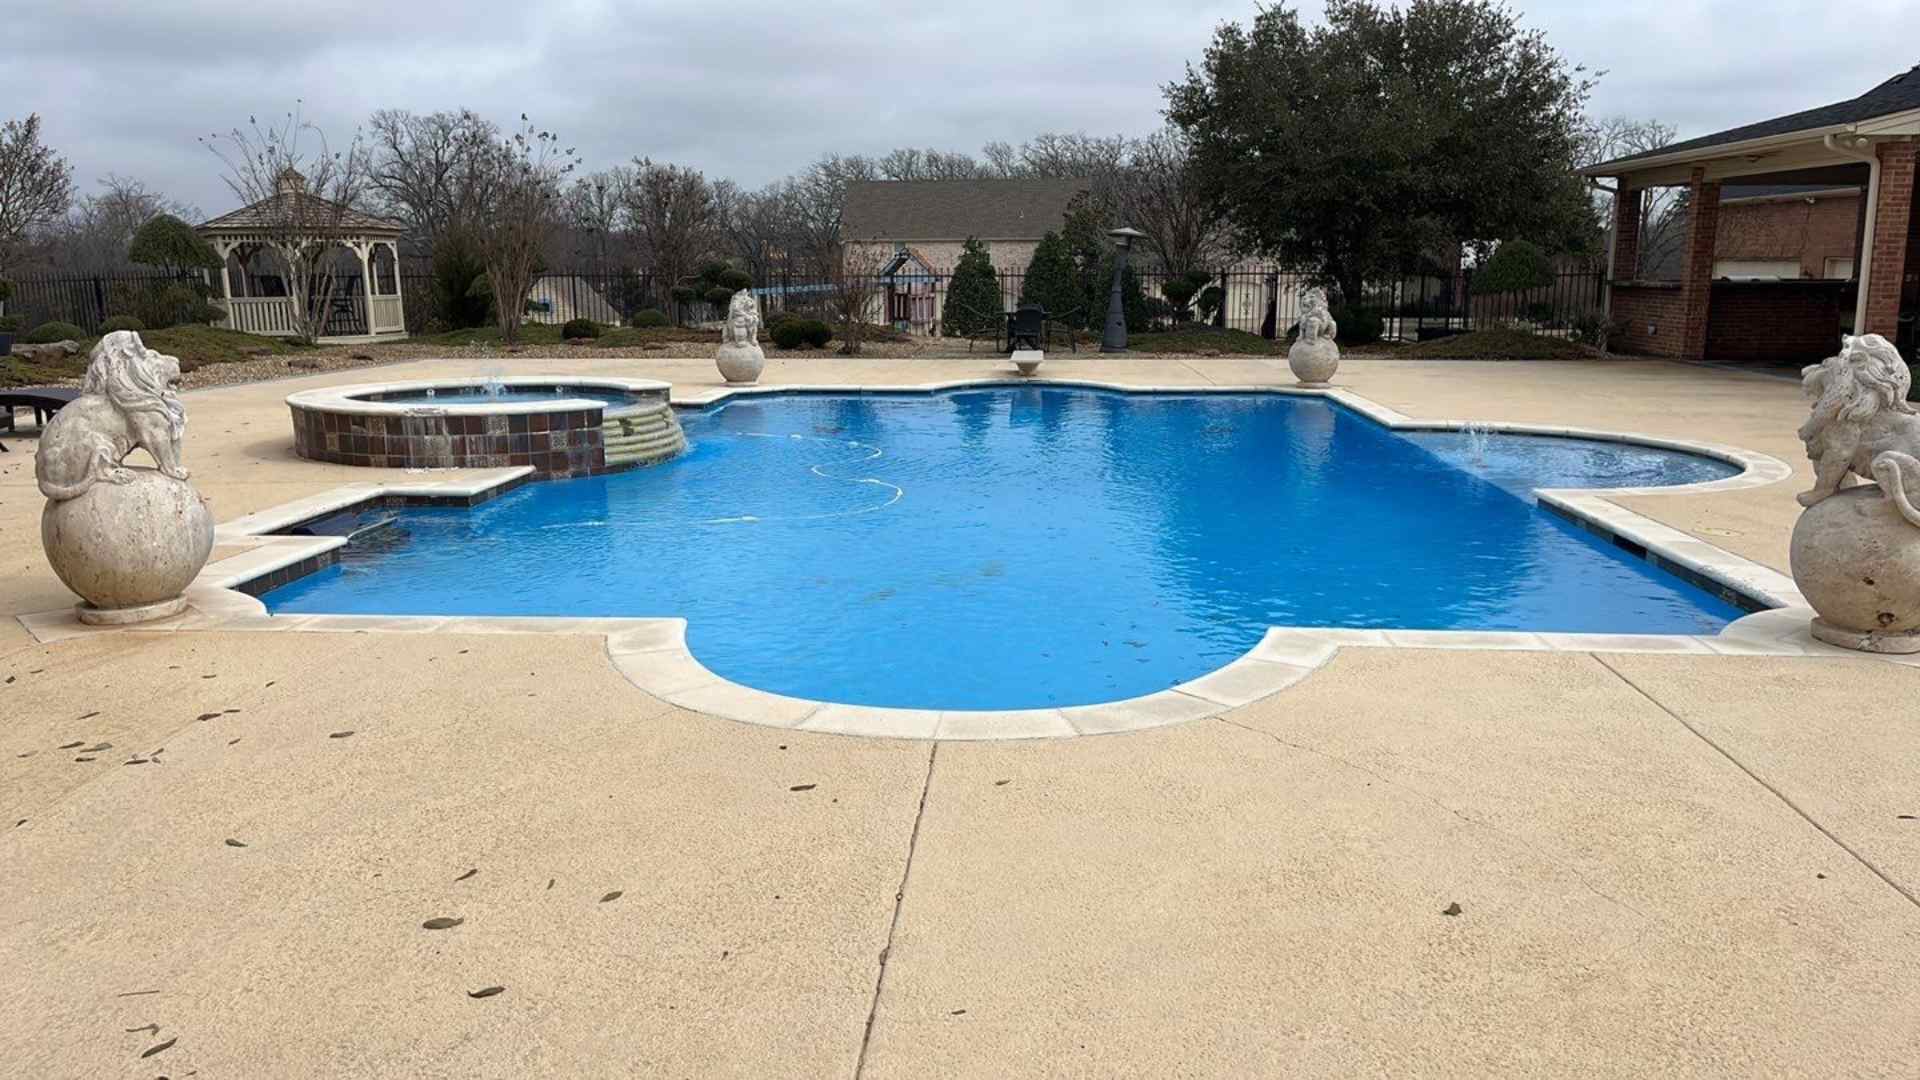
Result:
{"points": [[1862, 423], [130, 398]]}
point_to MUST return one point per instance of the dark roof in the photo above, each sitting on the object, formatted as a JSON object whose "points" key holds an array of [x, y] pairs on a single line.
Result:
{"points": [[1898, 94], [956, 209], [266, 212]]}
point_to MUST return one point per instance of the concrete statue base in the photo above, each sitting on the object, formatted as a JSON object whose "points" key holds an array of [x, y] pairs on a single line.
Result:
{"points": [[1857, 561], [129, 548]]}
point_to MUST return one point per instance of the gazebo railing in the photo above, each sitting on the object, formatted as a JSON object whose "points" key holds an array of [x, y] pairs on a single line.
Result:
{"points": [[387, 315], [269, 315]]}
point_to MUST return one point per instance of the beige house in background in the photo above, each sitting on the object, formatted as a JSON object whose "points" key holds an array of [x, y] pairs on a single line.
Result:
{"points": [[914, 231]]}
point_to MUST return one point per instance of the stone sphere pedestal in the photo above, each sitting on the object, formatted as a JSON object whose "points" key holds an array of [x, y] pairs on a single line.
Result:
{"points": [[129, 550], [1857, 561], [1313, 361], [740, 364]]}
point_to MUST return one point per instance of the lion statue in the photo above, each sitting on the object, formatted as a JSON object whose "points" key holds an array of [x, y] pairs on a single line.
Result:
{"points": [[1862, 423], [130, 398], [1316, 321], [743, 319]]}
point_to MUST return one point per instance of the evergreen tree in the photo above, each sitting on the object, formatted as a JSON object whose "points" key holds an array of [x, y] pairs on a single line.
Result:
{"points": [[1052, 283], [973, 307]]}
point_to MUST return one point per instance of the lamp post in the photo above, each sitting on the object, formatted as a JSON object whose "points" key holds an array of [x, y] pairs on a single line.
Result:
{"points": [[1115, 337]]}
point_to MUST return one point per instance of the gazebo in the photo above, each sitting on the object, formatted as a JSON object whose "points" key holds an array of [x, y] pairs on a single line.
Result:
{"points": [[366, 304]]}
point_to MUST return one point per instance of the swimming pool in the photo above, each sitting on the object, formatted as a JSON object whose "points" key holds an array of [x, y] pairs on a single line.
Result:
{"points": [[1035, 546]]}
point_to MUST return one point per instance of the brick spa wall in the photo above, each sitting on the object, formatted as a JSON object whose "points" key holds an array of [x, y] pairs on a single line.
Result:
{"points": [[1775, 321], [556, 444], [1652, 316]]}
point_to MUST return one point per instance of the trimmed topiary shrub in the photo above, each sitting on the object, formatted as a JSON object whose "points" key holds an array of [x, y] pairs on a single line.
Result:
{"points": [[1516, 266], [1052, 282], [580, 328], [973, 296], [649, 317], [817, 333], [48, 332], [122, 322]]}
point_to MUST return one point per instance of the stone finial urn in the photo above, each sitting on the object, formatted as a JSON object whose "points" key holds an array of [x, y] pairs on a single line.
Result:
{"points": [[1856, 550], [128, 540], [740, 359], [1314, 356]]}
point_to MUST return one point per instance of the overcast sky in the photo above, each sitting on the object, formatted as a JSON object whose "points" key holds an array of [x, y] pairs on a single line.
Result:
{"points": [[753, 91]]}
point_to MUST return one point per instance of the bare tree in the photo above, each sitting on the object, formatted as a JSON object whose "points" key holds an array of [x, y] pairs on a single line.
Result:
{"points": [[304, 196], [523, 182], [757, 224], [818, 202], [36, 184], [93, 236], [595, 214], [908, 163], [427, 171], [1663, 210], [1158, 192], [853, 290], [672, 212]]}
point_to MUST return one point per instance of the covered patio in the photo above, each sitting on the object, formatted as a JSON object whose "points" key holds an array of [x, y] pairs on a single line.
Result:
{"points": [[364, 302], [1866, 143]]}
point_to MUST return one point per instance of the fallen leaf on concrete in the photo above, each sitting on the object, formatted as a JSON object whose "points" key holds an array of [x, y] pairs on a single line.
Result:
{"points": [[550, 882], [339, 734], [206, 716], [614, 895], [803, 787], [97, 749], [1451, 909], [152, 1050], [90, 715], [86, 759], [468, 874], [231, 741], [486, 992], [442, 923], [1001, 783], [151, 1029], [231, 842], [71, 745]]}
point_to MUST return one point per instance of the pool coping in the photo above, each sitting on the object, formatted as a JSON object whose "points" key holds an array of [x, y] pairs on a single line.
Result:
{"points": [[652, 654], [350, 399]]}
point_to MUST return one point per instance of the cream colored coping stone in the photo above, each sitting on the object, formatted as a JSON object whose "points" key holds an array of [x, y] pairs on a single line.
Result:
{"points": [[653, 655], [350, 400]]}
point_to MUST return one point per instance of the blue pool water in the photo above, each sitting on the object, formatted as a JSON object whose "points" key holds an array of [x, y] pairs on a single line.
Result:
{"points": [[1018, 547], [475, 395]]}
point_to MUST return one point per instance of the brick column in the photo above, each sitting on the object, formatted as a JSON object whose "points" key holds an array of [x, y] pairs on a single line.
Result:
{"points": [[1696, 267], [1887, 247], [1626, 234]]}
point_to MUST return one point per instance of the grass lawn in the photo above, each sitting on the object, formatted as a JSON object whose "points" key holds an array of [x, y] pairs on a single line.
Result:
{"points": [[1496, 344], [196, 346], [1195, 338]]}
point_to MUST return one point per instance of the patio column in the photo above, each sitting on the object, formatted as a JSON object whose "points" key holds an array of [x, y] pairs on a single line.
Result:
{"points": [[1696, 268], [1884, 254], [1625, 264]]}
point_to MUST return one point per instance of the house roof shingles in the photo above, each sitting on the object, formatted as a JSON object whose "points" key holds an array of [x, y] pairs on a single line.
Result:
{"points": [[956, 209], [1898, 94], [266, 213]]}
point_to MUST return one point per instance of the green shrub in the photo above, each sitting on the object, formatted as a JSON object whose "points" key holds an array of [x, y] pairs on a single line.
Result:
{"points": [[122, 322], [734, 280], [718, 295], [792, 333], [461, 296], [1052, 284], [49, 332], [1181, 289], [1594, 328], [973, 296], [1210, 300], [6, 290], [1359, 324], [202, 313], [9, 324], [1516, 266], [580, 328], [171, 244], [647, 317]]}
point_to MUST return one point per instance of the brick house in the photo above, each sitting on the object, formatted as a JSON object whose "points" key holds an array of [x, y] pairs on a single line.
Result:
{"points": [[1786, 231], [914, 230], [1865, 145]]}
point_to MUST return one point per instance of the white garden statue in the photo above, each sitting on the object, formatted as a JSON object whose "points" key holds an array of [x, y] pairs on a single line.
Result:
{"points": [[1856, 550], [740, 359], [128, 539], [1314, 357]]}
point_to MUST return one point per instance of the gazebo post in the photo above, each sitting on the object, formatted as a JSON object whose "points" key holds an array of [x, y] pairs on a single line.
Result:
{"points": [[399, 294], [363, 249]]}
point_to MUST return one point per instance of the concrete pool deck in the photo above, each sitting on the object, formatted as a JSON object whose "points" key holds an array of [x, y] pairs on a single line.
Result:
{"points": [[1664, 864]]}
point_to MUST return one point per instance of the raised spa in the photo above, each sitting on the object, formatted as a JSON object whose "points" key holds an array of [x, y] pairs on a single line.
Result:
{"points": [[569, 426], [1004, 548]]}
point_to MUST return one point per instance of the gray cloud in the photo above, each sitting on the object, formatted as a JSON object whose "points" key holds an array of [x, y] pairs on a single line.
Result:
{"points": [[754, 90]]}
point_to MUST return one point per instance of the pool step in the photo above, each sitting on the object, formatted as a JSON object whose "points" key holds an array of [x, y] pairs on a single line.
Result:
{"points": [[645, 436]]}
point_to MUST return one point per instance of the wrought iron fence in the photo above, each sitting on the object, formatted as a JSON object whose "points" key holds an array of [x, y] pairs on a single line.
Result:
{"points": [[1251, 300]]}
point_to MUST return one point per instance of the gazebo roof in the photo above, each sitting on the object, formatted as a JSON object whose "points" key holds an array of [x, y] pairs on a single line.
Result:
{"points": [[273, 210]]}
